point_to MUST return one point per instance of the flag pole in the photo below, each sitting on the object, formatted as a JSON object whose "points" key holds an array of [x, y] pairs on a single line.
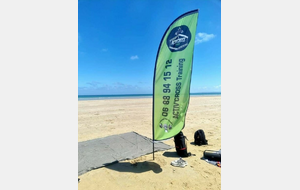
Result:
{"points": [[153, 150], [153, 123]]}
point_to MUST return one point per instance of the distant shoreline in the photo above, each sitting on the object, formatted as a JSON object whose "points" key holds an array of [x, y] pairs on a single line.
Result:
{"points": [[131, 96]]}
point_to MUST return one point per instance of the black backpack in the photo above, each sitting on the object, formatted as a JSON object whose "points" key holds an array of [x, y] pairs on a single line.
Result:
{"points": [[199, 138], [180, 145]]}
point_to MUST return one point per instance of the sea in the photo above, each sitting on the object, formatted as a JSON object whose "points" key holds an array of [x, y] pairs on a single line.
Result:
{"points": [[126, 96]]}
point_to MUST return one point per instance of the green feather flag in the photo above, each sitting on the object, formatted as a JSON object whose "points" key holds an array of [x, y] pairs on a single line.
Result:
{"points": [[172, 76]]}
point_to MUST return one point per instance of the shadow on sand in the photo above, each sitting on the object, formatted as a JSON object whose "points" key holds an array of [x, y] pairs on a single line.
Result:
{"points": [[136, 167], [171, 154]]}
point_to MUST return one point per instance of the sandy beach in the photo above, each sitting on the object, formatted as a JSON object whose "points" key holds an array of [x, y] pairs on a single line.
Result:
{"points": [[101, 118]]}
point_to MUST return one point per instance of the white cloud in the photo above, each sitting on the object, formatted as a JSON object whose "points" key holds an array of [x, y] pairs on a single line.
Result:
{"points": [[94, 84], [104, 50], [134, 57], [203, 37], [99, 88]]}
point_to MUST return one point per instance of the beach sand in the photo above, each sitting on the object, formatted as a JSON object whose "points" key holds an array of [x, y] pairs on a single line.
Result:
{"points": [[101, 118]]}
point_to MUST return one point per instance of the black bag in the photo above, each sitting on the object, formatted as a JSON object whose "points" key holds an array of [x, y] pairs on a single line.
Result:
{"points": [[199, 138], [180, 145], [212, 155]]}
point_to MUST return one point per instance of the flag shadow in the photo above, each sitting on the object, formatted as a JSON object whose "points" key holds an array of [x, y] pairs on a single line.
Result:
{"points": [[136, 167]]}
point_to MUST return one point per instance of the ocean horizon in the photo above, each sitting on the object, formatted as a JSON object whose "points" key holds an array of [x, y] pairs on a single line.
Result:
{"points": [[125, 96]]}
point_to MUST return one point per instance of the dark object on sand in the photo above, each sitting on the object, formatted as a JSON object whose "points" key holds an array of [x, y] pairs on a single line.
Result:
{"points": [[212, 155], [199, 138], [180, 145]]}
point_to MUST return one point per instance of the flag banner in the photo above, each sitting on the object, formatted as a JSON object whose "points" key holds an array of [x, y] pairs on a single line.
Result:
{"points": [[172, 76]]}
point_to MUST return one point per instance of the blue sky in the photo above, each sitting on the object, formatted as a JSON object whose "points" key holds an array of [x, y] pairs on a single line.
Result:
{"points": [[118, 42]]}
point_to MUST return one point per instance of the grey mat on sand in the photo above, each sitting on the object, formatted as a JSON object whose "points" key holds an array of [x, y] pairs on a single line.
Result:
{"points": [[96, 153]]}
